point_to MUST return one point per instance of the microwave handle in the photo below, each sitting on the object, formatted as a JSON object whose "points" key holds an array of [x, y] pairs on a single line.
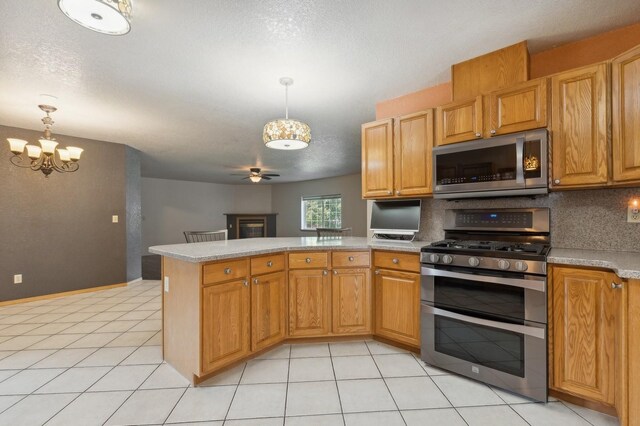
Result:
{"points": [[520, 160]]}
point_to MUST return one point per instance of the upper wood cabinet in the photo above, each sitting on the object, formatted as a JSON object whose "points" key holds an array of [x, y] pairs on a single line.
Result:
{"points": [[268, 310], [225, 324], [309, 302], [413, 143], [586, 333], [351, 301], [518, 108], [459, 121], [626, 116], [396, 156], [580, 111], [377, 159]]}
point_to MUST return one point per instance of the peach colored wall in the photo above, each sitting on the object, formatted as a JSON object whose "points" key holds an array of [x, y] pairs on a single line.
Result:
{"points": [[571, 55]]}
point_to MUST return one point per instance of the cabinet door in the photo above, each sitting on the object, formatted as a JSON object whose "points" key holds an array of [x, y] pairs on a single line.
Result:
{"points": [[626, 116], [377, 159], [268, 310], [309, 302], [397, 306], [351, 296], [459, 121], [579, 127], [518, 108], [583, 332], [225, 323], [413, 145]]}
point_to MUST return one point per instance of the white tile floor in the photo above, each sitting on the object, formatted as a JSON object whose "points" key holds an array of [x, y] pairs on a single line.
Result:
{"points": [[96, 359]]}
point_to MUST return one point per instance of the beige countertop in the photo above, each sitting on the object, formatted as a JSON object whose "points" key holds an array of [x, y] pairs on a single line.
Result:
{"points": [[217, 250], [624, 263]]}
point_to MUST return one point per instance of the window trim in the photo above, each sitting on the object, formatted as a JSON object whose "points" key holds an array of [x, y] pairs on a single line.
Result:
{"points": [[316, 197]]}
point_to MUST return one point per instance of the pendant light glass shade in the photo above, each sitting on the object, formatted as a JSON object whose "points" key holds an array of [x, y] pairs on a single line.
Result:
{"points": [[17, 145], [104, 16], [286, 133]]}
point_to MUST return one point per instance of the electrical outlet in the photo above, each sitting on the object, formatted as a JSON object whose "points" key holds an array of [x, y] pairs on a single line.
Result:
{"points": [[633, 214], [17, 279], [114, 218], [166, 284]]}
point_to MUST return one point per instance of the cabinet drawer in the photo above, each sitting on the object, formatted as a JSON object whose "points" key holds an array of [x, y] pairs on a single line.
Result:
{"points": [[224, 271], [266, 264], [396, 261], [308, 260], [349, 259]]}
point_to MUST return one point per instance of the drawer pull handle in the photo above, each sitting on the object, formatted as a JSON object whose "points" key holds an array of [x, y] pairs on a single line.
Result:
{"points": [[395, 261], [308, 260], [351, 258], [616, 286], [269, 264], [227, 271]]}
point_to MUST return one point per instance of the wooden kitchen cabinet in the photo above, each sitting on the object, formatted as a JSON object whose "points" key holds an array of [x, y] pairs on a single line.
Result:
{"points": [[518, 108], [586, 334], [377, 159], [351, 301], [626, 116], [396, 156], [225, 323], [309, 302], [268, 310], [459, 121], [580, 112]]}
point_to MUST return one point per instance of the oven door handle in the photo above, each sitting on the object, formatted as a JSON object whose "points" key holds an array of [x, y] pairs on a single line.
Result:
{"points": [[537, 332], [533, 284]]}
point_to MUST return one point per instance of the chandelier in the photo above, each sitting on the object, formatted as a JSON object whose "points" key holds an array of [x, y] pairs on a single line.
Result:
{"points": [[111, 17], [43, 157], [286, 133]]}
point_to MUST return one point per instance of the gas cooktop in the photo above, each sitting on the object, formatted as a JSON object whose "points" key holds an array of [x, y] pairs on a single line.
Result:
{"points": [[489, 246]]}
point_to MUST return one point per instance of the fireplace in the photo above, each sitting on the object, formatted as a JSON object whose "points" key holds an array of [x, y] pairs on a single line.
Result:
{"points": [[252, 227], [246, 225]]}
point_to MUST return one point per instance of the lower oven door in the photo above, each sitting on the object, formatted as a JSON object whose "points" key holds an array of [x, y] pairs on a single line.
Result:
{"points": [[503, 354]]}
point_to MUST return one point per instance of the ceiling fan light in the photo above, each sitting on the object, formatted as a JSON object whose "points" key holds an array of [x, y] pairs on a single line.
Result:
{"points": [[255, 179], [111, 17]]}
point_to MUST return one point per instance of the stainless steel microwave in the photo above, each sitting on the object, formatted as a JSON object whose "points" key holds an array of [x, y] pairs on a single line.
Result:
{"points": [[508, 165]]}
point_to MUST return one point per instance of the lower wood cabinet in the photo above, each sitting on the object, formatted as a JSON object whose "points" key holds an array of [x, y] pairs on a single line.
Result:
{"points": [[309, 302], [268, 310], [587, 334], [397, 306], [225, 323], [351, 301]]}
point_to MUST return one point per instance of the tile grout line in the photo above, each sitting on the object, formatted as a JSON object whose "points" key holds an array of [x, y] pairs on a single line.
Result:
{"points": [[344, 422], [235, 391], [386, 385]]}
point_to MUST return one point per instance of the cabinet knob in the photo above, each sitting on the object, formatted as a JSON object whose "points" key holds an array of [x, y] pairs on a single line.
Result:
{"points": [[255, 281], [397, 192], [245, 283], [308, 260], [616, 286], [335, 272], [389, 192], [557, 181], [325, 272], [269, 264], [351, 258], [395, 261], [377, 272], [492, 131], [227, 271], [478, 135]]}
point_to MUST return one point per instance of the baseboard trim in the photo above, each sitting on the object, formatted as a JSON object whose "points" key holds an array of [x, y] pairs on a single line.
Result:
{"points": [[62, 294], [134, 281]]}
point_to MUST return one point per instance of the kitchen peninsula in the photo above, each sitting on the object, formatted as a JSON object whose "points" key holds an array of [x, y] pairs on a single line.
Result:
{"points": [[226, 301]]}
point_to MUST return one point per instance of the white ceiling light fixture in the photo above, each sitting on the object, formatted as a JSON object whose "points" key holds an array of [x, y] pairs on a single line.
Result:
{"points": [[111, 17], [286, 133]]}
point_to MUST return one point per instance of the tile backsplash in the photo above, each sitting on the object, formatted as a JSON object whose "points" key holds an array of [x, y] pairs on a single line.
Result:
{"points": [[584, 219]]}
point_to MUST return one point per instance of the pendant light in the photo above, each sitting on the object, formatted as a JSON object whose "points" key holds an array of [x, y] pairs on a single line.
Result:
{"points": [[286, 133], [111, 17]]}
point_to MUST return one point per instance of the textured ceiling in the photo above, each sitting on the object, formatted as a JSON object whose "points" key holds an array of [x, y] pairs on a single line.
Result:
{"points": [[193, 83]]}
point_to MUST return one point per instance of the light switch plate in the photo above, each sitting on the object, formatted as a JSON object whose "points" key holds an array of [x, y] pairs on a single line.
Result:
{"points": [[114, 218], [166, 284], [17, 279], [633, 215]]}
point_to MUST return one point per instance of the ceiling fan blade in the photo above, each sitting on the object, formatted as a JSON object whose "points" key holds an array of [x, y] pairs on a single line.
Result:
{"points": [[237, 174], [270, 174], [266, 177], [245, 178]]}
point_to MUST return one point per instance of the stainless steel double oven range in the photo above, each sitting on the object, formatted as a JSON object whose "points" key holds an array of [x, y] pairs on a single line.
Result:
{"points": [[484, 298]]}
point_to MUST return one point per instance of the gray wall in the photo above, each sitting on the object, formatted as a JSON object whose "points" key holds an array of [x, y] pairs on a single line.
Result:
{"points": [[170, 207], [584, 219], [286, 202], [134, 214], [57, 231]]}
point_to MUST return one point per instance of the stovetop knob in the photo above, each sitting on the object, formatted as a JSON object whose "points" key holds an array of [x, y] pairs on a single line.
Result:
{"points": [[474, 261], [434, 258], [503, 264], [521, 266], [447, 259]]}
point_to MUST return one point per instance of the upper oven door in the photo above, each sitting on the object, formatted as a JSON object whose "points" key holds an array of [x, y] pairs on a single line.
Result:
{"points": [[488, 294], [510, 162]]}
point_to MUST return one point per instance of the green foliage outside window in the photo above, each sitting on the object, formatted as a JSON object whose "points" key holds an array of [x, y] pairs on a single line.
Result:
{"points": [[322, 212]]}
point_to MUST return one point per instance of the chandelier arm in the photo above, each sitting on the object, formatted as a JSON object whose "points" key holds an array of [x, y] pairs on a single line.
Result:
{"points": [[55, 165], [17, 160]]}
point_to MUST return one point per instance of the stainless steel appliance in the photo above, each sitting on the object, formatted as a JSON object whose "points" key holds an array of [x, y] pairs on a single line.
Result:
{"points": [[508, 165], [484, 298]]}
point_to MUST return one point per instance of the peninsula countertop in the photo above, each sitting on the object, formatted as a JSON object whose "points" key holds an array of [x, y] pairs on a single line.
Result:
{"points": [[218, 250]]}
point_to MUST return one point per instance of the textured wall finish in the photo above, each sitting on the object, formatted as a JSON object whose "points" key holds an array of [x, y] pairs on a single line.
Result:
{"points": [[586, 219], [134, 214], [57, 232]]}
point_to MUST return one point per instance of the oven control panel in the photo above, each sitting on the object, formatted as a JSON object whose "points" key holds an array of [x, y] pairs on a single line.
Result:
{"points": [[481, 262]]}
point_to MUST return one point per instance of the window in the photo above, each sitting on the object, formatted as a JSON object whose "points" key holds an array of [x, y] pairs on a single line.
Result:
{"points": [[323, 211]]}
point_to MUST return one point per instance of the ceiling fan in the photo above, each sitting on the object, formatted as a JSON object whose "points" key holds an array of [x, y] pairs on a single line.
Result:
{"points": [[256, 175]]}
